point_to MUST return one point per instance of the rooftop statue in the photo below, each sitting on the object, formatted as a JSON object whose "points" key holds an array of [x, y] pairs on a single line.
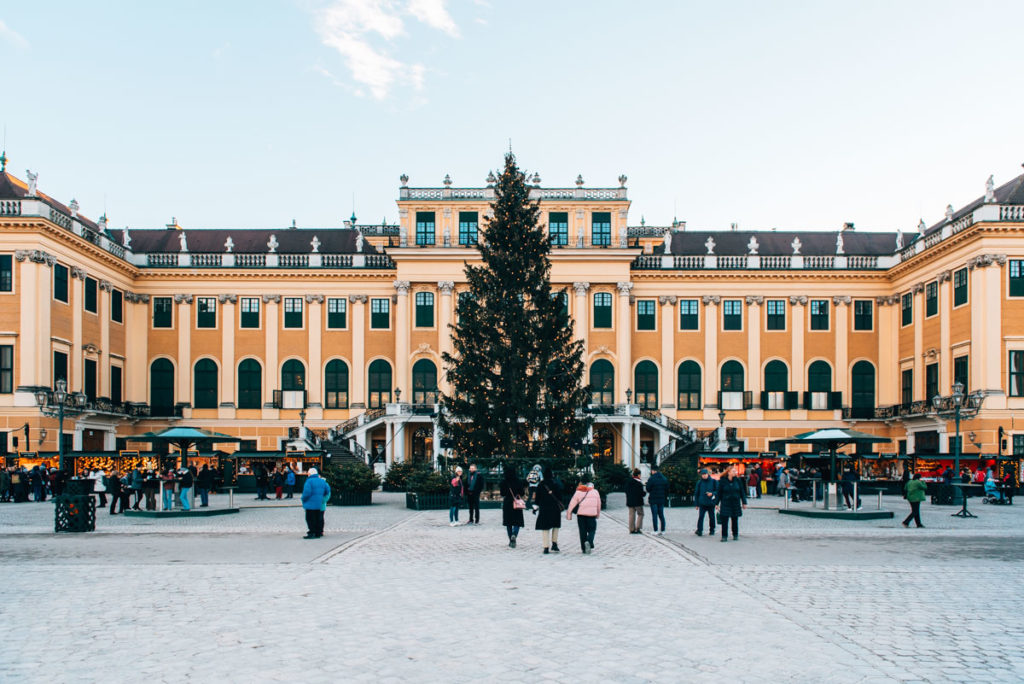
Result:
{"points": [[990, 189], [32, 178], [899, 239], [126, 239], [272, 244], [184, 242], [229, 245], [668, 240], [359, 242], [796, 245], [315, 244], [710, 244], [921, 227], [839, 243], [949, 212], [752, 246]]}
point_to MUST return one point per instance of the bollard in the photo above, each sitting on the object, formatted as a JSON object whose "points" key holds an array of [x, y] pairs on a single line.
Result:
{"points": [[785, 499], [856, 495], [879, 499], [814, 494]]}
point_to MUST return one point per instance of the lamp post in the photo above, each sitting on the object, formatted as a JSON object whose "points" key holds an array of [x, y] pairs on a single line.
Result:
{"points": [[57, 403], [721, 418], [957, 399]]}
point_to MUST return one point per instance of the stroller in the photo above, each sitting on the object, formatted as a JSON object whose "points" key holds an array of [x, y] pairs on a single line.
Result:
{"points": [[993, 494]]}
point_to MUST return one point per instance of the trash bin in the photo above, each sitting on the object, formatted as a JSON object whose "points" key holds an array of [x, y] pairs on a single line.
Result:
{"points": [[74, 513]]}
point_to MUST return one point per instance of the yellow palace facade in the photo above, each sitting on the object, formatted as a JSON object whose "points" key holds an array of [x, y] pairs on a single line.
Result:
{"points": [[734, 338]]}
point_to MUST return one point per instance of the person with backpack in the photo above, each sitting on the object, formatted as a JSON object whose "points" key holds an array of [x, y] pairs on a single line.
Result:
{"points": [[549, 515], [533, 479], [635, 502], [657, 488], [586, 506]]}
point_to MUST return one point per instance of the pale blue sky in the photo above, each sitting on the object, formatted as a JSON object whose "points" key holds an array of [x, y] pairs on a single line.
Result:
{"points": [[796, 115]]}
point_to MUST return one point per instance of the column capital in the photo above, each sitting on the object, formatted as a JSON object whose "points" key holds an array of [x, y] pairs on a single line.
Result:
{"points": [[446, 287], [106, 286], [798, 299], [624, 288], [667, 299], [945, 276], [267, 298], [754, 299], [224, 298], [314, 298], [183, 298], [78, 272], [36, 256], [711, 299], [402, 287], [360, 298], [841, 299], [917, 288], [580, 288], [137, 298]]}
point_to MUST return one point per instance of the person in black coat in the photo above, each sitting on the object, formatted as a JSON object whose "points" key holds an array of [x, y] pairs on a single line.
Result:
{"points": [[474, 487], [511, 517], [657, 487], [732, 499], [705, 496], [635, 501], [204, 483], [548, 499], [114, 487], [849, 478]]}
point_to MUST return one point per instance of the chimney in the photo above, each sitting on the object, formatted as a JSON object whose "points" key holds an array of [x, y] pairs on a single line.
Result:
{"points": [[734, 226]]}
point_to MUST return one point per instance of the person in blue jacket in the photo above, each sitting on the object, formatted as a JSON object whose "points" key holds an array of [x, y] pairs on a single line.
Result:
{"points": [[315, 494], [705, 496], [289, 481]]}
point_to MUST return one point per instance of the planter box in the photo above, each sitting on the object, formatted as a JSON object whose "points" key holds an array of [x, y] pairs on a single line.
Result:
{"points": [[426, 502], [351, 498]]}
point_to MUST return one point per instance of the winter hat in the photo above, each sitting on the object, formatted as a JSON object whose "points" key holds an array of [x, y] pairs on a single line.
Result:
{"points": [[703, 471], [313, 471]]}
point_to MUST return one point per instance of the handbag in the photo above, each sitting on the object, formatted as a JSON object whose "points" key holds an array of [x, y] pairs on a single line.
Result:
{"points": [[518, 503]]}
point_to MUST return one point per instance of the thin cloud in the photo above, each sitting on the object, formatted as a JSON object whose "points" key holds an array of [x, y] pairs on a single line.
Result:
{"points": [[356, 29], [11, 36]]}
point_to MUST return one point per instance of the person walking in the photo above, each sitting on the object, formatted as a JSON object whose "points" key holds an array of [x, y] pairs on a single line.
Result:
{"points": [[455, 496], [705, 495], [5, 484], [635, 502], [35, 478], [850, 477], [114, 487], [289, 482], [474, 487], [185, 495], [204, 483], [512, 504], [549, 510], [277, 482], [915, 492], [657, 488], [732, 499], [533, 479], [315, 494], [586, 506], [136, 487]]}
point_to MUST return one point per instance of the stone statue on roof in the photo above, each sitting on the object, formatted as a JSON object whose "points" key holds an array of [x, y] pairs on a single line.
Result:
{"points": [[359, 242], [32, 178], [990, 189], [899, 239], [710, 244], [839, 243], [949, 212], [315, 244], [229, 245], [126, 239], [752, 246], [183, 240], [921, 227], [668, 240], [272, 244], [796, 245]]}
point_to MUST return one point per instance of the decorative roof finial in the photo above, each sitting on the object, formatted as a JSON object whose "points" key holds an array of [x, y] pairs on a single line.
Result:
{"points": [[74, 208], [293, 224], [352, 218], [3, 161], [103, 223], [579, 180], [447, 181], [921, 227], [491, 180], [536, 179], [272, 244], [990, 189], [622, 180], [405, 180], [796, 245], [949, 212], [642, 221], [315, 244]]}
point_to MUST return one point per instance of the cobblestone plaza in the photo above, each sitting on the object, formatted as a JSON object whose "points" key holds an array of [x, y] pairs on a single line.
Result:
{"points": [[397, 595]]}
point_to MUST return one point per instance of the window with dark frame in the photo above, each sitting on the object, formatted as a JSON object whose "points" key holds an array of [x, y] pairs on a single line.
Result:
{"points": [[60, 283], [907, 305], [250, 316], [602, 310], [89, 379], [469, 224], [380, 313], [6, 369], [250, 384], [732, 314], [961, 371], [336, 385], [775, 314], [931, 380], [1016, 278], [558, 227], [907, 386], [1018, 445], [646, 317], [819, 314], [689, 386], [117, 306], [960, 287], [116, 384], [206, 312], [337, 314], [6, 273], [863, 314], [601, 229], [688, 317], [293, 312], [931, 299], [60, 367], [205, 384], [163, 312], [91, 288], [424, 227], [1016, 375], [379, 384], [424, 309]]}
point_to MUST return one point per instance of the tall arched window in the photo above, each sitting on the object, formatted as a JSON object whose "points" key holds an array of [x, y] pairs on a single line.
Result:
{"points": [[379, 383], [730, 393], [602, 383], [645, 385], [689, 386], [336, 384], [161, 388], [862, 396], [424, 382], [776, 385], [293, 375], [819, 386], [204, 384], [250, 384]]}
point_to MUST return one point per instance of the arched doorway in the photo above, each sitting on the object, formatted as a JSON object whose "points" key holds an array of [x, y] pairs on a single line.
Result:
{"points": [[645, 385], [379, 383], [161, 388], [819, 385], [862, 396]]}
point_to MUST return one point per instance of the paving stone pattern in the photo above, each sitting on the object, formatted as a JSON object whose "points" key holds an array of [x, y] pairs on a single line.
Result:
{"points": [[396, 595]]}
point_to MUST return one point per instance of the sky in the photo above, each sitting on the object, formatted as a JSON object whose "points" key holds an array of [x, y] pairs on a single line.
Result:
{"points": [[794, 115]]}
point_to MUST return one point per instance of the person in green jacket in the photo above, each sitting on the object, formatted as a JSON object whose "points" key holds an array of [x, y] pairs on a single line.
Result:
{"points": [[915, 495]]}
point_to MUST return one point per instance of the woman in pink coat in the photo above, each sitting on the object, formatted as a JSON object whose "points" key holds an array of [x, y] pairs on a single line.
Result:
{"points": [[586, 504]]}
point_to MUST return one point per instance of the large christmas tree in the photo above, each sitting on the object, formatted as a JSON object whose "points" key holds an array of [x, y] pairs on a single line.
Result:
{"points": [[516, 371]]}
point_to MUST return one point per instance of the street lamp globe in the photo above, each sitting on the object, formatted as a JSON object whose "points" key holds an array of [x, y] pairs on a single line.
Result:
{"points": [[80, 399], [61, 392], [958, 393], [721, 417], [41, 398], [937, 402]]}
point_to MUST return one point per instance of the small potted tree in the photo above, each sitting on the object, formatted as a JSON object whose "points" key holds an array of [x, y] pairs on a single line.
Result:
{"points": [[352, 484], [427, 490], [682, 479]]}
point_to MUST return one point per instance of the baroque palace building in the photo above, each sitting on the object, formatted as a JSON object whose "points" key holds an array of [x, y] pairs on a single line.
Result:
{"points": [[768, 333]]}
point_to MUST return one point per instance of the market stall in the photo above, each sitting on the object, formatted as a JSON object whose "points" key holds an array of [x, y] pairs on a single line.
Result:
{"points": [[247, 464]]}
